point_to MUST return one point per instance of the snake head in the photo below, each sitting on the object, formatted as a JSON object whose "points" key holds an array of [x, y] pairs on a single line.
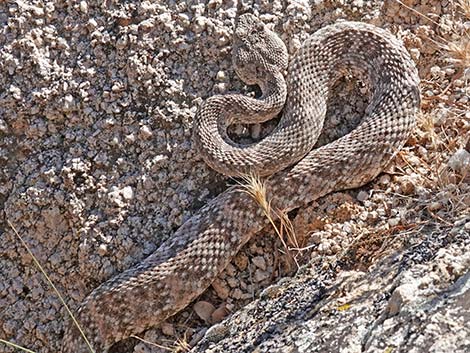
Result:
{"points": [[257, 51]]}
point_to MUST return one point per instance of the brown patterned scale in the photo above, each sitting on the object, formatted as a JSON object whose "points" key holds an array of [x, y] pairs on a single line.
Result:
{"points": [[184, 266]]}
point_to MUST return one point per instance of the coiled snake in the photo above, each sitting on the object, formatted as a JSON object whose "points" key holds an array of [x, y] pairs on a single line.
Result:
{"points": [[185, 265]]}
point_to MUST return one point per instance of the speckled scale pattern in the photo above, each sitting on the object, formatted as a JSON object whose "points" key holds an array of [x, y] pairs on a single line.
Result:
{"points": [[185, 265]]}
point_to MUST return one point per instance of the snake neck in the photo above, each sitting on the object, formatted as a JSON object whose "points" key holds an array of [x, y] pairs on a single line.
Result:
{"points": [[274, 90], [267, 106]]}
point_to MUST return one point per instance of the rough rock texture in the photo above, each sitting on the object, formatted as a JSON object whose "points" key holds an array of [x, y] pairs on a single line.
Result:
{"points": [[416, 300], [96, 169]]}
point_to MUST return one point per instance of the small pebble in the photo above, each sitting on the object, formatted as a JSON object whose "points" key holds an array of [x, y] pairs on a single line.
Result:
{"points": [[204, 310], [221, 76], [392, 222], [237, 293], [407, 187], [241, 261], [167, 329], [83, 6], [384, 179], [460, 161], [259, 262], [232, 282], [127, 193], [362, 196], [102, 249], [220, 287], [130, 138], [261, 275], [434, 206], [415, 53], [219, 314], [145, 132]]}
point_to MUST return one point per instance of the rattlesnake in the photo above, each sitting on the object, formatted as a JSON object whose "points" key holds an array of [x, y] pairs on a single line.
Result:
{"points": [[185, 265]]}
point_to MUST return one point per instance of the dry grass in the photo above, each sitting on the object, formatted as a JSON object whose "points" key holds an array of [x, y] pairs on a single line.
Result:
{"points": [[46, 276], [11, 344], [371, 245], [426, 124], [418, 13], [256, 188], [459, 53], [180, 346], [445, 182], [464, 5]]}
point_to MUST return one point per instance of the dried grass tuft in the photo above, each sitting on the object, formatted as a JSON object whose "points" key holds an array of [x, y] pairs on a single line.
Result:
{"points": [[254, 186], [459, 53], [464, 5]]}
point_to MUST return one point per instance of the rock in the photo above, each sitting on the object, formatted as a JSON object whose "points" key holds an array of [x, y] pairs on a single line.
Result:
{"points": [[130, 138], [233, 282], [260, 262], [384, 179], [147, 25], [241, 261], [415, 53], [204, 310], [84, 6], [407, 187], [347, 228], [236, 293], [219, 314], [127, 193], [221, 288], [435, 206], [310, 307], [392, 222], [221, 76], [362, 196], [401, 296], [68, 103], [145, 132], [200, 24], [102, 249], [261, 275], [460, 161], [167, 329]]}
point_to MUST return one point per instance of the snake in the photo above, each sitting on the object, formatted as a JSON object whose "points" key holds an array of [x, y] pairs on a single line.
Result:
{"points": [[294, 172]]}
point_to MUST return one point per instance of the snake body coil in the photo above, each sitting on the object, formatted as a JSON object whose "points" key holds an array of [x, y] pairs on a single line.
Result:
{"points": [[185, 265]]}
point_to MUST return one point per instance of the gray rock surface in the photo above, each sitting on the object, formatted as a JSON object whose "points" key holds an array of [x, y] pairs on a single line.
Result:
{"points": [[97, 169], [416, 300]]}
